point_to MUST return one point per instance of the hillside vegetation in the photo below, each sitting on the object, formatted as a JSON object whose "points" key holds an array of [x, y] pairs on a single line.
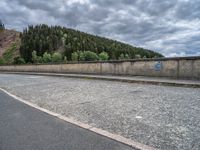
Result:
{"points": [[69, 42], [45, 44]]}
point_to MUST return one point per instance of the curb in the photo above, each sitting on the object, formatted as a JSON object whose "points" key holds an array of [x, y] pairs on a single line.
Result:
{"points": [[140, 81], [99, 131]]}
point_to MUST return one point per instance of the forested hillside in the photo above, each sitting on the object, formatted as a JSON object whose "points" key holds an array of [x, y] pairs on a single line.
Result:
{"points": [[49, 44], [71, 44]]}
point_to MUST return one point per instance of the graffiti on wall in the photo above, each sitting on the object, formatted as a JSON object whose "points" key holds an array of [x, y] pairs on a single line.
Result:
{"points": [[158, 66]]}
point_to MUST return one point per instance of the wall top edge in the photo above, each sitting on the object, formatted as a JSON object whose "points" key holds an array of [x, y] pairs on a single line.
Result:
{"points": [[117, 61]]}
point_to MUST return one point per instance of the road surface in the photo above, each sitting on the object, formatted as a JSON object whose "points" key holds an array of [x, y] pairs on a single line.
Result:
{"points": [[25, 128], [163, 117]]}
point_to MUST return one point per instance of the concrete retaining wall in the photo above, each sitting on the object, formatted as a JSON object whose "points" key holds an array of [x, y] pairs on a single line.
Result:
{"points": [[183, 67]]}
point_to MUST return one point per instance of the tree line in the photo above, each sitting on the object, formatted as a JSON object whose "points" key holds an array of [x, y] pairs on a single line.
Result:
{"points": [[49, 39]]}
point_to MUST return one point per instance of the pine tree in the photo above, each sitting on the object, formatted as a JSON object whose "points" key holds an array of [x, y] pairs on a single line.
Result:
{"points": [[1, 25], [44, 38]]}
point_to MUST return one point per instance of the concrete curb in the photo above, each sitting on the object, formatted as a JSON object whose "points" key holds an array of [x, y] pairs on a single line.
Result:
{"points": [[99, 131], [107, 78]]}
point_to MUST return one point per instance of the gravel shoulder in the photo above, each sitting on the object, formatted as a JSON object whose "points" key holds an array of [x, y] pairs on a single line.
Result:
{"points": [[25, 128], [159, 116]]}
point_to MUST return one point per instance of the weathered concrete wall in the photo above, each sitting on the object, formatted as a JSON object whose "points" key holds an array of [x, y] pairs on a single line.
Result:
{"points": [[185, 67]]}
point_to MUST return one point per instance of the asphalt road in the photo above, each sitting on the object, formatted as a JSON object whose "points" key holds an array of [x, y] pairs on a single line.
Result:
{"points": [[25, 128], [163, 117]]}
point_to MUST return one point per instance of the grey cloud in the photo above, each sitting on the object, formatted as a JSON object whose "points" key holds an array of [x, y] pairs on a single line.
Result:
{"points": [[156, 7], [189, 10], [171, 27]]}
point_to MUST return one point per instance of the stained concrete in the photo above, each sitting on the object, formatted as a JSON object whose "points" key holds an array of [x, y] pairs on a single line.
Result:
{"points": [[181, 68]]}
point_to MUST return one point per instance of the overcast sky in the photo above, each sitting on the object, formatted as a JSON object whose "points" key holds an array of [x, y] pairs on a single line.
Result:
{"points": [[171, 27]]}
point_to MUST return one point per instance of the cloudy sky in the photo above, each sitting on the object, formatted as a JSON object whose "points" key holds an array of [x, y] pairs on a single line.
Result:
{"points": [[171, 27]]}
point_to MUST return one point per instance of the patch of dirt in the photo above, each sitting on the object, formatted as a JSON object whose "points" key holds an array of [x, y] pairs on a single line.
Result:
{"points": [[7, 38]]}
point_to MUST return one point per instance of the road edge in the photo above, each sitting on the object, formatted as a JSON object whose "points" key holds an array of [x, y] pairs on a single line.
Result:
{"points": [[99, 131], [87, 76]]}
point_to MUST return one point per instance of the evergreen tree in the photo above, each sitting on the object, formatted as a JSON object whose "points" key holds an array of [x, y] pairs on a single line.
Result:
{"points": [[2, 27], [43, 38]]}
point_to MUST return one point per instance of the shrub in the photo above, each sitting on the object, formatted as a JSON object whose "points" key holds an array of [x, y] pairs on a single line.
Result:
{"points": [[74, 56], [19, 60], [56, 57], [103, 56], [121, 56], [34, 57], [39, 59], [126, 56], [138, 56], [46, 57], [65, 59], [90, 56], [2, 61], [81, 56]]}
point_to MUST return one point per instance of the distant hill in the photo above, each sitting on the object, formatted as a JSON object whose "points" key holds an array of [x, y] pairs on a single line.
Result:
{"points": [[42, 38], [51, 39]]}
